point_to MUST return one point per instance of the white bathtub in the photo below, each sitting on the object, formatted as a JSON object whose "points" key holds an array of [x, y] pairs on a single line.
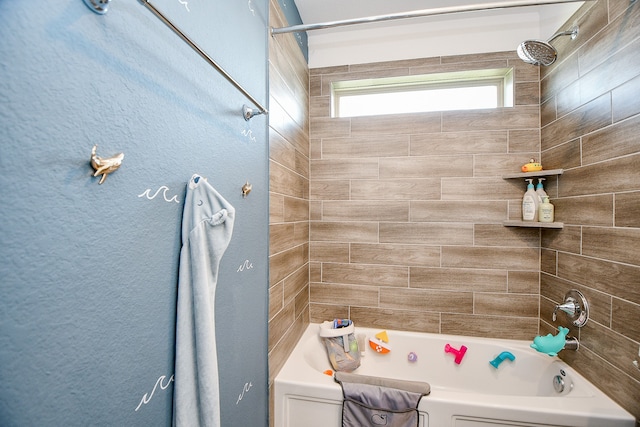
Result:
{"points": [[471, 394]]}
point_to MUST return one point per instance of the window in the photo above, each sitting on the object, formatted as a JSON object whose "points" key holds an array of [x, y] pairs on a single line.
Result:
{"points": [[421, 93]]}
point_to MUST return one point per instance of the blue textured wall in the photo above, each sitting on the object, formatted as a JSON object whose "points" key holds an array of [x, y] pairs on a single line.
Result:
{"points": [[88, 272]]}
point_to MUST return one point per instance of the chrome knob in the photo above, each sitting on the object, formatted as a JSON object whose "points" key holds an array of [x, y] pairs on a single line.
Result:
{"points": [[575, 306]]}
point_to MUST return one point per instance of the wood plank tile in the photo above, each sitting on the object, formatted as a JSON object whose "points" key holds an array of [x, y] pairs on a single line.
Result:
{"points": [[371, 146], [426, 233], [625, 101], [585, 210], [588, 118], [344, 169], [548, 261], [481, 257], [459, 211], [523, 282], [448, 143], [425, 167], [329, 252], [519, 328], [358, 232], [519, 117], [365, 274], [562, 156], [524, 141], [618, 175], [426, 300], [625, 318], [318, 313], [569, 239], [615, 244], [396, 124], [329, 189], [617, 140], [501, 304], [627, 213], [482, 188], [619, 280], [458, 279], [498, 235], [395, 254], [396, 189], [404, 320], [365, 210], [330, 293]]}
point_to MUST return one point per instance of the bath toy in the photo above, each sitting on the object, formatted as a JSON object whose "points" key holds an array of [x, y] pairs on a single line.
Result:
{"points": [[500, 358], [379, 346], [412, 357], [382, 336], [550, 344], [341, 323], [459, 354], [532, 166]]}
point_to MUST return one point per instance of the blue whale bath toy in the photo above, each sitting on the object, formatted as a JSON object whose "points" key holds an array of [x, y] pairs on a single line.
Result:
{"points": [[550, 344]]}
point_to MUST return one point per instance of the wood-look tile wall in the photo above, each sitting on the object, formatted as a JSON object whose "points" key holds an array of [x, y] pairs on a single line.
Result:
{"points": [[590, 127], [289, 194], [406, 210]]}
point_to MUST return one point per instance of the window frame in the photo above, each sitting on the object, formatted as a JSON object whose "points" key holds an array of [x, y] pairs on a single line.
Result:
{"points": [[501, 78]]}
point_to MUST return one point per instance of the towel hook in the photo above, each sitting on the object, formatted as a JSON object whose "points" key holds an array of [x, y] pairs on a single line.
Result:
{"points": [[105, 166], [246, 189]]}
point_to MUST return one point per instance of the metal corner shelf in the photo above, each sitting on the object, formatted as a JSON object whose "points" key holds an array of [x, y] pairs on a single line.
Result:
{"points": [[549, 172], [531, 224]]}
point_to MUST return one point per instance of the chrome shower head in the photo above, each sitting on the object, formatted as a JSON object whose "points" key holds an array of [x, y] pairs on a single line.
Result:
{"points": [[538, 52]]}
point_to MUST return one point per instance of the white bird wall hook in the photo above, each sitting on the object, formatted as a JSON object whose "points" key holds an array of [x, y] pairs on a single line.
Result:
{"points": [[105, 166]]}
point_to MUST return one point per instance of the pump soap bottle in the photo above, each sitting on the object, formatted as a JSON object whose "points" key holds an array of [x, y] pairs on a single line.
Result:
{"points": [[545, 211], [530, 203], [540, 190]]}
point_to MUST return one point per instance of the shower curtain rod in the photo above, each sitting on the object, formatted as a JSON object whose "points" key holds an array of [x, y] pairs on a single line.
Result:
{"points": [[247, 112], [418, 14]]}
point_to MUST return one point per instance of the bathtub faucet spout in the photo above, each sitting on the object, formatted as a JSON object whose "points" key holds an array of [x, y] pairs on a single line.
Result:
{"points": [[500, 358]]}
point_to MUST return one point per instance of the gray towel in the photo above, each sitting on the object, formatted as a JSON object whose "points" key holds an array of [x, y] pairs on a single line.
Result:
{"points": [[207, 226], [373, 401]]}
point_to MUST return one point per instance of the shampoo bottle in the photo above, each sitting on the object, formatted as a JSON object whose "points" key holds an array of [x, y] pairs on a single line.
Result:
{"points": [[530, 203], [545, 211], [540, 190]]}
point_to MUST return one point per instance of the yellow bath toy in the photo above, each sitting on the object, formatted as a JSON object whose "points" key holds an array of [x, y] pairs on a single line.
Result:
{"points": [[532, 166], [382, 336]]}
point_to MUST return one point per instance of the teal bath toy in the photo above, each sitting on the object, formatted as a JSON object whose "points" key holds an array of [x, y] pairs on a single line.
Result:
{"points": [[550, 344], [501, 357]]}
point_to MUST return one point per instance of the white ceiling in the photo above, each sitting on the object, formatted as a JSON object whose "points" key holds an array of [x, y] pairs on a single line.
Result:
{"points": [[452, 34]]}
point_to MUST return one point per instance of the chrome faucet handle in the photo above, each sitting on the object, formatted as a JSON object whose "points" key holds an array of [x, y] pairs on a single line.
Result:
{"points": [[575, 306], [570, 307]]}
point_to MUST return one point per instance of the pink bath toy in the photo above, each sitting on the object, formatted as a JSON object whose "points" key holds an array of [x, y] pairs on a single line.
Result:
{"points": [[412, 357], [459, 354]]}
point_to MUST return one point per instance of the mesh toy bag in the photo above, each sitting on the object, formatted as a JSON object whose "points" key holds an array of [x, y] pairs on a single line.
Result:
{"points": [[341, 344]]}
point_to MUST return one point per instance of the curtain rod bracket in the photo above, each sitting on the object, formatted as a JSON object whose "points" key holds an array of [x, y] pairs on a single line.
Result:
{"points": [[248, 113], [98, 6]]}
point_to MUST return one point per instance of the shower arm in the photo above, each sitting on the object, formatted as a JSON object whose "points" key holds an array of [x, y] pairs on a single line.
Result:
{"points": [[572, 32], [418, 14]]}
